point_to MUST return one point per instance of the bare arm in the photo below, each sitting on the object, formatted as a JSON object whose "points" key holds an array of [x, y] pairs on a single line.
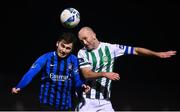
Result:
{"points": [[89, 74], [147, 52]]}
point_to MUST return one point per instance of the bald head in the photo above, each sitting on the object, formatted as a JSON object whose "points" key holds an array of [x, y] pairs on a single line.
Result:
{"points": [[88, 37], [86, 30]]}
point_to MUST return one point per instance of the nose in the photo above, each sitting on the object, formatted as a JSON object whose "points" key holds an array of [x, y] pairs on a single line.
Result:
{"points": [[64, 50], [85, 42]]}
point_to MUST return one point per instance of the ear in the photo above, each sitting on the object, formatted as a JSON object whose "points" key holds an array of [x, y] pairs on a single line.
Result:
{"points": [[57, 43], [94, 36]]}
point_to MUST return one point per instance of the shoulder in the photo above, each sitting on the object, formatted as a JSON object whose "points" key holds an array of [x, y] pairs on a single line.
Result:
{"points": [[82, 50], [73, 57], [49, 54], [105, 44]]}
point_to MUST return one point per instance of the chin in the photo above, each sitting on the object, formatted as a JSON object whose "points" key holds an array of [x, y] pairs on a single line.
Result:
{"points": [[89, 48], [63, 56]]}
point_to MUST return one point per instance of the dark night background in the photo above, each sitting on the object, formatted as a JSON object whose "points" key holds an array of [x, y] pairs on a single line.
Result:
{"points": [[30, 29]]}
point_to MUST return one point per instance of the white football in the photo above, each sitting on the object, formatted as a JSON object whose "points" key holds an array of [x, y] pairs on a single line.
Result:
{"points": [[70, 17]]}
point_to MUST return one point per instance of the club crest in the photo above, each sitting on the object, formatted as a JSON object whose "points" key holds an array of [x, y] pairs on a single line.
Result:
{"points": [[70, 66], [105, 59]]}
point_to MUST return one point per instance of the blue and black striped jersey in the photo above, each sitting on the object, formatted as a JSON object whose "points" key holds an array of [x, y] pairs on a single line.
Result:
{"points": [[59, 75]]}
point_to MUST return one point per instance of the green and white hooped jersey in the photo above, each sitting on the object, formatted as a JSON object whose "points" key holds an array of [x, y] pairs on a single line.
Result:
{"points": [[101, 60]]}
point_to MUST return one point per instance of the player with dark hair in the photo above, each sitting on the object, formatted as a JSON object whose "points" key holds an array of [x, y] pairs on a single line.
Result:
{"points": [[60, 73], [96, 60]]}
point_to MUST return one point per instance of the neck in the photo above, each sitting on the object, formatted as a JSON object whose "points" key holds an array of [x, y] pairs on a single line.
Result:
{"points": [[96, 44]]}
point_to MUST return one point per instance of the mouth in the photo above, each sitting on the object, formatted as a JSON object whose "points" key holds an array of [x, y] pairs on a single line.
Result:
{"points": [[61, 54]]}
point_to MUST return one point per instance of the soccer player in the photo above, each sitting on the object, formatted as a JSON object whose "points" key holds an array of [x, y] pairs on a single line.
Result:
{"points": [[60, 73], [96, 61]]}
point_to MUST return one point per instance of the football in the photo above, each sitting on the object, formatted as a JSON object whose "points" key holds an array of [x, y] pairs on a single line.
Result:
{"points": [[70, 17]]}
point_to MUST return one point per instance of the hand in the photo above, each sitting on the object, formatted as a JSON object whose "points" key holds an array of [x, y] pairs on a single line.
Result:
{"points": [[86, 88], [15, 90], [166, 54], [111, 75]]}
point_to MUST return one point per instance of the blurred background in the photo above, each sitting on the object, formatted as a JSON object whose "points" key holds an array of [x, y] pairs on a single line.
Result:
{"points": [[30, 29]]}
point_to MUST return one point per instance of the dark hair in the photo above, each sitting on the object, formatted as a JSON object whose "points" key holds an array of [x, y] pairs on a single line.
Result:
{"points": [[68, 37]]}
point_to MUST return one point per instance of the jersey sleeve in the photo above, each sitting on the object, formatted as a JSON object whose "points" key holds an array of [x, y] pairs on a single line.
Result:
{"points": [[83, 59], [34, 69], [76, 74], [122, 50]]}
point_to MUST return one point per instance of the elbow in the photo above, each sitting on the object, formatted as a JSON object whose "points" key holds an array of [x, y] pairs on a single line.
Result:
{"points": [[88, 76], [136, 51], [86, 73]]}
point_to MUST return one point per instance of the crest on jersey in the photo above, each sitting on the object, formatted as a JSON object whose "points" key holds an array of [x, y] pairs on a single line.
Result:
{"points": [[105, 59], [70, 66]]}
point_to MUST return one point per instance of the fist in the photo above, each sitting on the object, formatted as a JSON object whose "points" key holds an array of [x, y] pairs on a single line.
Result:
{"points": [[86, 88], [15, 90]]}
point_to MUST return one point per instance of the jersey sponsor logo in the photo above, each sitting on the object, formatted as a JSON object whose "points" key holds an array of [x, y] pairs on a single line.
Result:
{"points": [[55, 77], [81, 60]]}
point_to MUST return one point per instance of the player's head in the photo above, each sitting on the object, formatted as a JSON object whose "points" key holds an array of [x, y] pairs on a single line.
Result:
{"points": [[88, 38], [65, 44]]}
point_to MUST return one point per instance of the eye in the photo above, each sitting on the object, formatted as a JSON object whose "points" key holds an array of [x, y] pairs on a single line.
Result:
{"points": [[68, 48], [85, 38], [62, 45]]}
